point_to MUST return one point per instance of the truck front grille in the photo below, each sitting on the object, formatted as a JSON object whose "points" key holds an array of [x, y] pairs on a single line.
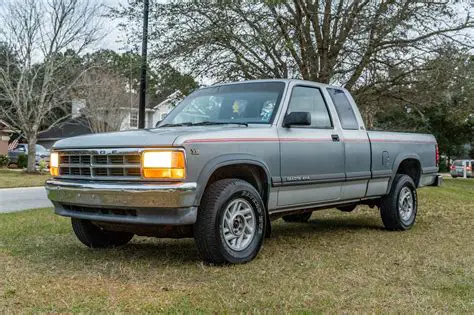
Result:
{"points": [[100, 164]]}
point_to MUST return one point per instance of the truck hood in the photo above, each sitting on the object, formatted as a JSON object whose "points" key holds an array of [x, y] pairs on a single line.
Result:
{"points": [[140, 138]]}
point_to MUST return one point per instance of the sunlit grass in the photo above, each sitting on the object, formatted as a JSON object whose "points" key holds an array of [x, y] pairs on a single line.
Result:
{"points": [[18, 178]]}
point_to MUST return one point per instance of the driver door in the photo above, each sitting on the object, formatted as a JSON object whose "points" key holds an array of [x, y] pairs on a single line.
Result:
{"points": [[312, 157]]}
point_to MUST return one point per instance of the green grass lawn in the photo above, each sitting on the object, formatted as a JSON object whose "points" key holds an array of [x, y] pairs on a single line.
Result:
{"points": [[339, 262], [15, 178]]}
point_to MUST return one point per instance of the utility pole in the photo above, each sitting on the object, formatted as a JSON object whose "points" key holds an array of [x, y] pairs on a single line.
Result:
{"points": [[141, 108]]}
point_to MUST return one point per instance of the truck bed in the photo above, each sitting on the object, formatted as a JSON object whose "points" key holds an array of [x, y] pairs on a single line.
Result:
{"points": [[389, 149]]}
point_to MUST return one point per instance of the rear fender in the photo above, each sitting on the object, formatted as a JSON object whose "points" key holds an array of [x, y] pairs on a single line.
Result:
{"points": [[396, 164]]}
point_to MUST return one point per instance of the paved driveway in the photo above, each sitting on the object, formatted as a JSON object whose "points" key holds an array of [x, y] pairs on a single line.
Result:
{"points": [[17, 199]]}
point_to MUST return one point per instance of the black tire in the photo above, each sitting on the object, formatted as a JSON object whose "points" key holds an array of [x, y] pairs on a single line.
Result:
{"points": [[348, 208], [94, 236], [390, 209], [300, 217], [209, 227]]}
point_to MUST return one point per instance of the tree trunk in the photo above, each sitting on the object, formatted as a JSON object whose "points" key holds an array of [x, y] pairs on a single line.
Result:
{"points": [[31, 154]]}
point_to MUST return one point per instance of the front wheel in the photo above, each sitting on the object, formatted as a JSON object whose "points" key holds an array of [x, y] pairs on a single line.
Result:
{"points": [[94, 236], [230, 226], [398, 209]]}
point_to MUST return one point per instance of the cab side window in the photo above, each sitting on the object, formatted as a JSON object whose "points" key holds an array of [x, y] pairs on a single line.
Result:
{"points": [[344, 109], [308, 99]]}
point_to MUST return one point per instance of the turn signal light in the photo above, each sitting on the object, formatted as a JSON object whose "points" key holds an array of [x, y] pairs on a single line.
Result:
{"points": [[163, 164], [54, 171]]}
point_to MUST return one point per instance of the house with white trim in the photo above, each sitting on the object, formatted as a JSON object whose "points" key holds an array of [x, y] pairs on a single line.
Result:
{"points": [[77, 125]]}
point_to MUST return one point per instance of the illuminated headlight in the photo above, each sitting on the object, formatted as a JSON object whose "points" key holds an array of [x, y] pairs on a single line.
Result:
{"points": [[163, 164], [54, 164]]}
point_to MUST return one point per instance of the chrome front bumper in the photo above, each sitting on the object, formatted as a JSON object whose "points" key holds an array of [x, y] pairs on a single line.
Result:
{"points": [[139, 203]]}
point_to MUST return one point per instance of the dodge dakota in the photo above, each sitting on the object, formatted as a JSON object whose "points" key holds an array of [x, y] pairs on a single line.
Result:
{"points": [[231, 158]]}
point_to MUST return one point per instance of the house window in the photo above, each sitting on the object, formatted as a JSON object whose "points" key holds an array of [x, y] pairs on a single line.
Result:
{"points": [[133, 119]]}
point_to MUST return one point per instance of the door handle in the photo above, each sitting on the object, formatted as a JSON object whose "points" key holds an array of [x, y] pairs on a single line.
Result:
{"points": [[335, 138]]}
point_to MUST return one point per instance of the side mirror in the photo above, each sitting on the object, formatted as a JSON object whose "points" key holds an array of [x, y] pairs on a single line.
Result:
{"points": [[297, 119]]}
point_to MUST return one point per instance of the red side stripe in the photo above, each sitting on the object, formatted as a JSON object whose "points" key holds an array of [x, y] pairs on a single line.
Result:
{"points": [[356, 140], [258, 140], [402, 141], [232, 140], [305, 139], [219, 140]]}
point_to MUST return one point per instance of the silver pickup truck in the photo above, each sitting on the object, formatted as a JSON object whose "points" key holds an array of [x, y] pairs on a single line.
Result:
{"points": [[231, 158]]}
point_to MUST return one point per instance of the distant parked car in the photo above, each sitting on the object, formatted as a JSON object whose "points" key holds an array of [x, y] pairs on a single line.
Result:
{"points": [[457, 168], [22, 149]]}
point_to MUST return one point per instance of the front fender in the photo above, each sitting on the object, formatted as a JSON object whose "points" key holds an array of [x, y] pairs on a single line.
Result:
{"points": [[224, 160]]}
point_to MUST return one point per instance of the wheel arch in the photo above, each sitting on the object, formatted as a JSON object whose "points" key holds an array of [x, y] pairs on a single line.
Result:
{"points": [[408, 164], [241, 166]]}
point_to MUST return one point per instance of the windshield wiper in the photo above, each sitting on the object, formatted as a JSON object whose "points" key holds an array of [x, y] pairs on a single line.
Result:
{"points": [[205, 123], [177, 125]]}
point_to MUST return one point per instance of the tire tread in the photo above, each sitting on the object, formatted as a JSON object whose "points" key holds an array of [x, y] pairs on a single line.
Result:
{"points": [[389, 206], [207, 242]]}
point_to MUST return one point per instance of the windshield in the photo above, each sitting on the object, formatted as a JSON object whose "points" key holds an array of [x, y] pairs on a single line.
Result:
{"points": [[254, 103], [40, 148]]}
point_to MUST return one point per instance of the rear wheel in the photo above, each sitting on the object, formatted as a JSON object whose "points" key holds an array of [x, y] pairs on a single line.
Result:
{"points": [[300, 217], [94, 236], [398, 209], [230, 226]]}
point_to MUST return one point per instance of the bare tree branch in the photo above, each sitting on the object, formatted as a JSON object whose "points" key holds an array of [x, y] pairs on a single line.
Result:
{"points": [[41, 33]]}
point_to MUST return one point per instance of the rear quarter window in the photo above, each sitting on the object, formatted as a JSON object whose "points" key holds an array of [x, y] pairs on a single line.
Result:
{"points": [[344, 109]]}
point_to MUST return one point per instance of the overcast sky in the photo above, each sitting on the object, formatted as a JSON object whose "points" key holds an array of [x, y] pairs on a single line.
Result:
{"points": [[111, 40]]}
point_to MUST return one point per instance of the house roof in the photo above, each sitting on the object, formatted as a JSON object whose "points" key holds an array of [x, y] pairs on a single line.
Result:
{"points": [[173, 97], [68, 128], [136, 109], [135, 101]]}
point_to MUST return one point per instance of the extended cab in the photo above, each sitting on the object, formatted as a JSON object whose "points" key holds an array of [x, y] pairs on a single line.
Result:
{"points": [[231, 158]]}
